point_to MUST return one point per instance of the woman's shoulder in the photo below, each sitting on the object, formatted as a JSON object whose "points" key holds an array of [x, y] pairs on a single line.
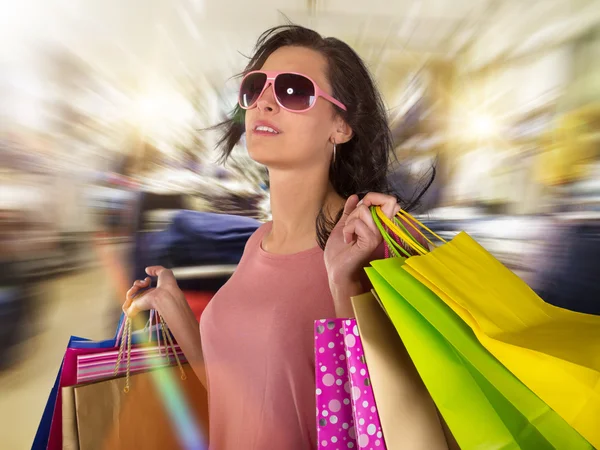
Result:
{"points": [[256, 237]]}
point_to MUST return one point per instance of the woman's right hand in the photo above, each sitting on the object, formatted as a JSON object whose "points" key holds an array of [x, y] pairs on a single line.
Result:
{"points": [[166, 290]]}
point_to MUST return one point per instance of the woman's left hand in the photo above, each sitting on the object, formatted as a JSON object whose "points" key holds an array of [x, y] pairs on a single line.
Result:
{"points": [[355, 237]]}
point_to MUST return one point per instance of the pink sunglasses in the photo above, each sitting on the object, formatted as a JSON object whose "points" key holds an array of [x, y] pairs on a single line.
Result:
{"points": [[293, 91]]}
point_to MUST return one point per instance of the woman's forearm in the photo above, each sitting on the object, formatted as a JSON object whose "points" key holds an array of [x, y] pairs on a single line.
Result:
{"points": [[185, 328], [342, 293]]}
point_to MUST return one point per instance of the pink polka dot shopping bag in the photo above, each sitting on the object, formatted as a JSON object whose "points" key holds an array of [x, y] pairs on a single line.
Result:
{"points": [[347, 415]]}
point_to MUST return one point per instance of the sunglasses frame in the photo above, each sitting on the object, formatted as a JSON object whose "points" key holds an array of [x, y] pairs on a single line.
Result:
{"points": [[270, 81]]}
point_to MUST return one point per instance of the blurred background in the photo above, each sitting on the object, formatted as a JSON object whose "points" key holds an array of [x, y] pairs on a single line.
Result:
{"points": [[101, 103]]}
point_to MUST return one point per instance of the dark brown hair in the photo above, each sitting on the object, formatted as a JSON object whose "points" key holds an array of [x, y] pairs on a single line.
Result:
{"points": [[361, 164]]}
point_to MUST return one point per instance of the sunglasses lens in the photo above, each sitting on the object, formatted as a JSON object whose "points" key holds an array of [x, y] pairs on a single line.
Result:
{"points": [[251, 88], [295, 92]]}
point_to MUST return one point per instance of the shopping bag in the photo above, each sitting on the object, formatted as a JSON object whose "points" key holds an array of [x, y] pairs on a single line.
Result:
{"points": [[364, 407], [346, 409], [70, 438], [554, 351], [163, 408], [335, 423], [160, 410], [42, 435], [533, 420], [409, 419], [48, 435], [101, 365], [484, 405], [49, 432]]}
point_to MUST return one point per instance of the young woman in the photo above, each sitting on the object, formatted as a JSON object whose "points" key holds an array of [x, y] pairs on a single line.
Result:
{"points": [[313, 117]]}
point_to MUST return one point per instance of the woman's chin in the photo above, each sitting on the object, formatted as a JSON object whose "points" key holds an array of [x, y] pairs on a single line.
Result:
{"points": [[265, 156]]}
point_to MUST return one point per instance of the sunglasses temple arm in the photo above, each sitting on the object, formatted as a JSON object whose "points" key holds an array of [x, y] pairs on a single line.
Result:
{"points": [[330, 99]]}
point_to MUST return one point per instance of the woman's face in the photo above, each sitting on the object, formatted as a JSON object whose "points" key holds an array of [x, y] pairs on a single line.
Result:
{"points": [[303, 139]]}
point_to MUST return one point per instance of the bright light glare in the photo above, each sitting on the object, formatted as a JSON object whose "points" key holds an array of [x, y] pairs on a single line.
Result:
{"points": [[483, 126], [163, 110], [148, 109]]}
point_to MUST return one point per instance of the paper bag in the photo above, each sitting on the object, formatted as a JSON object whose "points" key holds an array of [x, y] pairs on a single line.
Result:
{"points": [[70, 440], [335, 421], [101, 365], [408, 416], [553, 351], [160, 411], [364, 407], [346, 410]]}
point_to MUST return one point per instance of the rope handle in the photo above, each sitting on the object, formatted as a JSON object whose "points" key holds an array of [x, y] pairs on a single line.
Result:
{"points": [[125, 349], [166, 331], [126, 338]]}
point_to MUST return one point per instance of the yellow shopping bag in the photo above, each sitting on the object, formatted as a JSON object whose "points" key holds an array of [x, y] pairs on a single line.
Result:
{"points": [[553, 351]]}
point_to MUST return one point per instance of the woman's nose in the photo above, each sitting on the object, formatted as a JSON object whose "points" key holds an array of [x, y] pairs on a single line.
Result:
{"points": [[267, 102]]}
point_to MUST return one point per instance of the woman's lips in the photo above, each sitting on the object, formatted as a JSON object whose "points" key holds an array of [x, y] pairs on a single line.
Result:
{"points": [[264, 128]]}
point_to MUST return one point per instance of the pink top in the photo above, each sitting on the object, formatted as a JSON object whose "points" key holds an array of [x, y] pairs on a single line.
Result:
{"points": [[257, 338]]}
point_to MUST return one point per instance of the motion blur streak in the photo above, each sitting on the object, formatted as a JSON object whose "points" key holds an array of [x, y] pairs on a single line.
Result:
{"points": [[102, 107]]}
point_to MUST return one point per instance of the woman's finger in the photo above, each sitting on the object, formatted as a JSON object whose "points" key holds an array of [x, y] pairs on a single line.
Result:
{"points": [[364, 234], [389, 204], [132, 292], [137, 286], [165, 276], [142, 283], [135, 304], [126, 304], [153, 271], [364, 213], [348, 230], [132, 310], [349, 207]]}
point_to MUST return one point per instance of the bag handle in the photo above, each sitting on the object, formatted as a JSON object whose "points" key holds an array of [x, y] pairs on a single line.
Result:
{"points": [[390, 243], [409, 218], [126, 337], [398, 229], [167, 336], [125, 348], [394, 231]]}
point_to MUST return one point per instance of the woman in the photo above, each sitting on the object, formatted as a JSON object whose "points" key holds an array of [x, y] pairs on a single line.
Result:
{"points": [[313, 117]]}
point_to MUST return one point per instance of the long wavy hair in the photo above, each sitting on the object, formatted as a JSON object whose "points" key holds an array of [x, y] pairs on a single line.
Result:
{"points": [[362, 163]]}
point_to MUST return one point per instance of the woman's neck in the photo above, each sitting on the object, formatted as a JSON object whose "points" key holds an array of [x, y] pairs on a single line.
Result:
{"points": [[296, 199]]}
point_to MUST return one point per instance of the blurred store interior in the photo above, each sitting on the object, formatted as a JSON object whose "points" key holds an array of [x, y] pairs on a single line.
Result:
{"points": [[102, 104]]}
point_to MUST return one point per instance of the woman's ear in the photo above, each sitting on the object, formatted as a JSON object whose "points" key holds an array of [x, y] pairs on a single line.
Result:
{"points": [[342, 132]]}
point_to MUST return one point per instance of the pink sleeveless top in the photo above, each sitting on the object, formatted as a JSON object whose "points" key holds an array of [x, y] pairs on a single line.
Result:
{"points": [[257, 338]]}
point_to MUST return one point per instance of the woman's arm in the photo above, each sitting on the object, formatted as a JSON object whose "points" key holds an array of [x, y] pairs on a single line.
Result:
{"points": [[351, 246], [342, 292]]}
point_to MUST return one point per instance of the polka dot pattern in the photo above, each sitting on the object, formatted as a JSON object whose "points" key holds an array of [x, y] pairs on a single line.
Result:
{"points": [[334, 407], [346, 418], [366, 420]]}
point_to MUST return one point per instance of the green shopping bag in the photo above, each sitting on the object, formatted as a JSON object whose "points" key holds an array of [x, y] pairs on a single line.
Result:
{"points": [[484, 405], [552, 351]]}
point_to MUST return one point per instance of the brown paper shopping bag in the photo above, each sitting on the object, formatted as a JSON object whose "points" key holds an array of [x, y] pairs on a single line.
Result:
{"points": [[70, 439], [409, 418], [161, 410]]}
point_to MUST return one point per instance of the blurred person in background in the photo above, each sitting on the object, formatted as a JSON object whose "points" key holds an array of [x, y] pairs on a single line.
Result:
{"points": [[312, 115]]}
